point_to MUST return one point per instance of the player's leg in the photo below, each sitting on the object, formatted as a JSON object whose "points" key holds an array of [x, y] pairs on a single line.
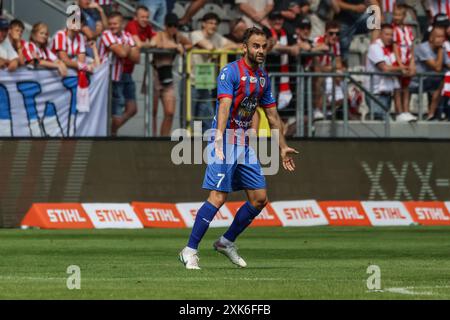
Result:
{"points": [[248, 176], [206, 214]]}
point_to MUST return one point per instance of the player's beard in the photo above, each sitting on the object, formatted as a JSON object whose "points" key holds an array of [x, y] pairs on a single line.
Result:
{"points": [[256, 59]]}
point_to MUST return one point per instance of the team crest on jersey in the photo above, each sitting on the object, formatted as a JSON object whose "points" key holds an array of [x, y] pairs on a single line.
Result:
{"points": [[253, 80], [262, 82]]}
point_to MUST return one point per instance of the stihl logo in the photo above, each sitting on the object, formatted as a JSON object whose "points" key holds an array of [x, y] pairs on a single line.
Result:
{"points": [[113, 216], [431, 214], [344, 213], [300, 213], [388, 214], [219, 215], [61, 215], [164, 215], [265, 215]]}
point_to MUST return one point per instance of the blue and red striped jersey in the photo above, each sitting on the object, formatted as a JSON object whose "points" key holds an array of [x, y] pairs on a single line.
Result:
{"points": [[248, 88]]}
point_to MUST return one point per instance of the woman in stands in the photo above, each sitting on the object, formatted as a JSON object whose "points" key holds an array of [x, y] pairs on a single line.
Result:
{"points": [[170, 38], [70, 47], [37, 53]]}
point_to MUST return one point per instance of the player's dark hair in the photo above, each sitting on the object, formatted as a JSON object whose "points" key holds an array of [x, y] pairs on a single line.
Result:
{"points": [[115, 14], [16, 23], [251, 32], [142, 7], [333, 24], [386, 26]]}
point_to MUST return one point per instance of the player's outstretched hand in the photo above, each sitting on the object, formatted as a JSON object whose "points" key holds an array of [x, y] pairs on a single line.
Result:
{"points": [[286, 157], [219, 147]]}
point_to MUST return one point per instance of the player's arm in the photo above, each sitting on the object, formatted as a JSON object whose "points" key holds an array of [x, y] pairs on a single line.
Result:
{"points": [[286, 152], [222, 119]]}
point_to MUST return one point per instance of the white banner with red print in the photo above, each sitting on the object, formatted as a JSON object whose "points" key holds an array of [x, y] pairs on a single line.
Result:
{"points": [[39, 103]]}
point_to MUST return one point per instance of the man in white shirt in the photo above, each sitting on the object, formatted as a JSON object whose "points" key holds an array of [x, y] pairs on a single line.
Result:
{"points": [[381, 58], [9, 59]]}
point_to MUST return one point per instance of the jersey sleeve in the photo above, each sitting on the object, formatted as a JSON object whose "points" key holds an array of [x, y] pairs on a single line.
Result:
{"points": [[267, 99], [226, 83]]}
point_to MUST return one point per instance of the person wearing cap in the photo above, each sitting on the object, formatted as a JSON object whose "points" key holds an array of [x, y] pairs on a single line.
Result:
{"points": [[163, 83], [255, 12], [291, 11], [303, 32], [9, 59], [439, 20], [209, 39]]}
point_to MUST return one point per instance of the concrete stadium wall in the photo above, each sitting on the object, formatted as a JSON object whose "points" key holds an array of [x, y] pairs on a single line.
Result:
{"points": [[116, 171]]}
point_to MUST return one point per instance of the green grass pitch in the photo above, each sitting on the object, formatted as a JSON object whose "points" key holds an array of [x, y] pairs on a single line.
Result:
{"points": [[284, 263]]}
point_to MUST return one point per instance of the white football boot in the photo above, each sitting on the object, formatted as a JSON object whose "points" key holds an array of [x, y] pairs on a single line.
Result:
{"points": [[189, 258], [230, 251]]}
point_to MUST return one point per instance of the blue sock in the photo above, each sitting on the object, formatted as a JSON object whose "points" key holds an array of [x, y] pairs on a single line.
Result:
{"points": [[204, 217], [243, 219]]}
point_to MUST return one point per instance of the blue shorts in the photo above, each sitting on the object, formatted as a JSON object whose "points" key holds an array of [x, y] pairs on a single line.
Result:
{"points": [[240, 170], [122, 92]]}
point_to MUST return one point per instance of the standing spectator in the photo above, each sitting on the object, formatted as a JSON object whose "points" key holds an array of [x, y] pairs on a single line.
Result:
{"points": [[303, 31], [96, 21], [430, 57], [106, 5], [158, 10], [9, 59], [141, 32], [69, 45], [38, 54], [193, 8], [327, 43], [163, 84], [256, 12], [207, 38], [404, 54], [285, 45], [121, 46], [16, 28], [353, 20], [381, 58], [291, 11]]}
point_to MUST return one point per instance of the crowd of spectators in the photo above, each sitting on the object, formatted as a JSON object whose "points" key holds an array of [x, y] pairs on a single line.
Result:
{"points": [[324, 28]]}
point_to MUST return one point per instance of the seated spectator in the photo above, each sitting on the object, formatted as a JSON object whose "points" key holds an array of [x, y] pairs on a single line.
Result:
{"points": [[163, 84], [283, 43], [439, 20], [404, 54], [327, 43], [69, 45], [9, 59], [237, 31], [96, 21], [122, 46], [255, 12], [38, 54], [381, 58], [430, 57], [16, 28], [207, 38]]}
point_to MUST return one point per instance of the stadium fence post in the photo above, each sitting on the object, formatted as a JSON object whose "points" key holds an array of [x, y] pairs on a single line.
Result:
{"points": [[299, 95], [345, 104], [147, 102], [310, 113], [420, 97]]}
